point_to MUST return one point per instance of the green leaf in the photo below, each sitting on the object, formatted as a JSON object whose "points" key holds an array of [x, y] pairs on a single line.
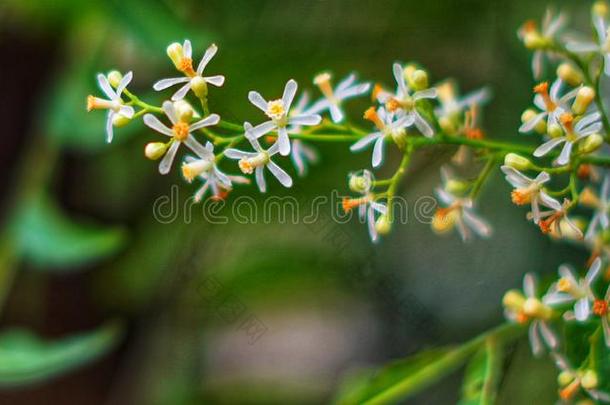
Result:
{"points": [[26, 358], [481, 376], [45, 237], [366, 385]]}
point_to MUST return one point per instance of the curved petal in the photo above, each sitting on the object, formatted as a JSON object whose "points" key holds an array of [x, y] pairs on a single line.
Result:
{"points": [[196, 147], [364, 142], [102, 80], [582, 309], [258, 100], [280, 174], [335, 113], [423, 125], [306, 119], [168, 108], [210, 120], [187, 49], [124, 83], [477, 224], [531, 124], [400, 78], [166, 83], [529, 285], [534, 339], [238, 154], [109, 133], [564, 156], [179, 95], [260, 179], [378, 151], [370, 220], [345, 83], [547, 146], [261, 129], [154, 123], [168, 159], [127, 111], [207, 57], [283, 141], [289, 91], [217, 80], [428, 93], [593, 271]]}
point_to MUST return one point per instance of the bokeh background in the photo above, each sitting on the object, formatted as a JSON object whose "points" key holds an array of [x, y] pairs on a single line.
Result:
{"points": [[102, 304]]}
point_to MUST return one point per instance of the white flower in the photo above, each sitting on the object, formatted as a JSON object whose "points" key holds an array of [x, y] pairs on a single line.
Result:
{"points": [[301, 154], [114, 104], [586, 126], [194, 79], [601, 204], [573, 380], [280, 119], [404, 103], [333, 98], [557, 223], [368, 208], [602, 46], [541, 41], [180, 132], [571, 288], [551, 103], [528, 308], [529, 190], [389, 126], [451, 105], [257, 161], [458, 212]]}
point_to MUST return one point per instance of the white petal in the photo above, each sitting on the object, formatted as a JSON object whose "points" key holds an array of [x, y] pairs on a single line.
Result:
{"points": [[289, 91], [217, 80], [127, 111], [109, 132], [364, 142], [477, 224], [179, 95], [280, 174], [238, 154], [309, 119], [534, 339], [593, 271], [582, 47], [168, 108], [428, 93], [168, 159], [548, 335], [549, 201], [124, 83], [260, 179], [187, 49], [529, 285], [400, 78], [210, 120], [353, 91], [196, 147], [102, 80], [336, 113], [345, 83], [154, 123], [378, 151], [423, 126], [207, 57], [531, 124], [283, 141], [555, 88], [165, 83], [258, 100], [582, 309], [564, 156], [261, 129], [370, 215], [547, 146]]}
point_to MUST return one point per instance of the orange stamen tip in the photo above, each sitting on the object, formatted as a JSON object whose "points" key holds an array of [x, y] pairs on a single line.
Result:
{"points": [[600, 307], [90, 103], [181, 131], [519, 197], [521, 318], [475, 133], [349, 204], [566, 119], [370, 114], [221, 196], [392, 105], [541, 88], [376, 90], [584, 171], [530, 26]]}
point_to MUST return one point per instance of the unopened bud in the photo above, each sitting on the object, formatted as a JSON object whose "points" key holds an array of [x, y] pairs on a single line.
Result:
{"points": [[529, 115], [517, 161], [175, 53], [155, 150], [555, 131], [588, 198], [199, 87], [184, 111], [456, 186], [383, 226], [419, 80], [569, 74], [589, 380], [591, 143], [119, 120], [600, 9], [584, 97], [447, 125], [513, 300], [565, 378], [359, 182], [114, 78], [534, 308]]}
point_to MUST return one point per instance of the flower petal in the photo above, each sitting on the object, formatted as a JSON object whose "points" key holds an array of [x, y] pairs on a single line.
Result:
{"points": [[168, 159], [260, 179], [154, 123], [207, 57], [217, 80], [378, 151], [280, 174], [166, 83], [258, 100], [547, 146], [289, 91], [102, 80]]}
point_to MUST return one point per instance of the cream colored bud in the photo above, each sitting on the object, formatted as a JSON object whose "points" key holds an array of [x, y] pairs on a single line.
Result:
{"points": [[588, 198], [155, 150], [533, 40], [514, 300], [184, 111], [565, 378], [175, 53], [555, 131], [419, 79], [589, 380], [119, 120], [456, 186], [359, 183], [584, 97], [600, 9], [199, 87], [517, 161], [114, 78], [528, 115], [447, 125], [383, 226], [592, 143], [534, 308], [569, 74]]}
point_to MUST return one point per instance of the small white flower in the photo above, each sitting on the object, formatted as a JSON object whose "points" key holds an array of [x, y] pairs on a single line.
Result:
{"points": [[557, 223], [528, 308], [540, 41], [601, 204], [280, 118], [180, 132], [113, 104], [586, 126], [404, 103], [571, 288], [529, 190], [333, 98], [551, 104], [193, 79], [368, 208], [575, 380], [451, 105], [459, 213], [389, 126], [257, 161], [602, 46]]}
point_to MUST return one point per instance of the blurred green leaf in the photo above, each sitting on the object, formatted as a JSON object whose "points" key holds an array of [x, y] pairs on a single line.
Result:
{"points": [[26, 358], [365, 386], [482, 374], [47, 238]]}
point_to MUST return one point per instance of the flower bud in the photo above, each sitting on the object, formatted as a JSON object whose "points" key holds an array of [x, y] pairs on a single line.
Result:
{"points": [[569, 74], [584, 97], [419, 80], [589, 380], [534, 308], [591, 143], [199, 87], [155, 150], [119, 120], [447, 125], [456, 186], [175, 53], [513, 300], [444, 220], [528, 115], [383, 226], [517, 161], [588, 198], [555, 131], [360, 182], [114, 78], [600, 9], [564, 378], [195, 168], [184, 111]]}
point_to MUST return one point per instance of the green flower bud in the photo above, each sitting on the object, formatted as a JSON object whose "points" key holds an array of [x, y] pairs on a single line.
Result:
{"points": [[584, 97], [514, 300], [383, 226], [589, 380], [114, 78], [419, 80], [176, 54], [199, 87], [555, 131], [591, 143], [119, 120], [528, 115], [359, 183], [456, 187], [565, 378], [184, 111], [517, 161]]}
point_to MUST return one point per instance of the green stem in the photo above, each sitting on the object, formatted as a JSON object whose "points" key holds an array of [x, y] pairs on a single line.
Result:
{"points": [[478, 184], [396, 178], [495, 354]]}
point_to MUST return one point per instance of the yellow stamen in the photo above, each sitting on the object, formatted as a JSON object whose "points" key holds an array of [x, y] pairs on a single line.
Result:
{"points": [[275, 109], [543, 90], [323, 82], [96, 103], [600, 307], [349, 204], [181, 131], [371, 115], [186, 67], [521, 196]]}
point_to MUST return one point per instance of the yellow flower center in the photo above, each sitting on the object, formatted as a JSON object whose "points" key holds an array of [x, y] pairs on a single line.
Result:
{"points": [[181, 131], [186, 67], [276, 109]]}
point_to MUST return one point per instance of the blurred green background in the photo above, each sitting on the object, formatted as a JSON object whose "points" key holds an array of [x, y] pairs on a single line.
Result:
{"points": [[175, 311]]}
